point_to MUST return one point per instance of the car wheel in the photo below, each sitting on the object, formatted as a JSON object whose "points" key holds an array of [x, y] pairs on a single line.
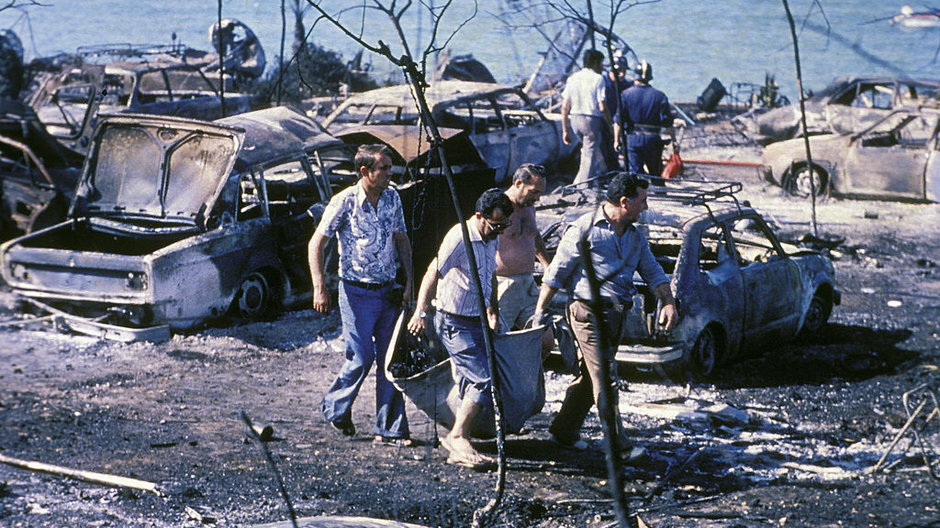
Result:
{"points": [[803, 179], [817, 314], [255, 298], [705, 353]]}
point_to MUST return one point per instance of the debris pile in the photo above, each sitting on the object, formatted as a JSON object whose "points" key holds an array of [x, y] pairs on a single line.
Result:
{"points": [[416, 355]]}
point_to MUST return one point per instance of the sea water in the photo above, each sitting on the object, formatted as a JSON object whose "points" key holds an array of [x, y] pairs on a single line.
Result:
{"points": [[688, 42]]}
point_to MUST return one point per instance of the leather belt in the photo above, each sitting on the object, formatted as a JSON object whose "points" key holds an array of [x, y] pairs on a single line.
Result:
{"points": [[651, 130], [467, 318], [607, 305], [367, 285]]}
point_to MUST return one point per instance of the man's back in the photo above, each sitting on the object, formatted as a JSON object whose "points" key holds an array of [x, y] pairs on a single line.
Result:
{"points": [[584, 88], [643, 104]]}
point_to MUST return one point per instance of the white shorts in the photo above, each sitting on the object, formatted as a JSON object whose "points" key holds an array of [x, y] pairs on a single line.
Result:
{"points": [[517, 296]]}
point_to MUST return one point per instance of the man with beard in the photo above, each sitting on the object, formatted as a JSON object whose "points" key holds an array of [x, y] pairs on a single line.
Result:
{"points": [[457, 320]]}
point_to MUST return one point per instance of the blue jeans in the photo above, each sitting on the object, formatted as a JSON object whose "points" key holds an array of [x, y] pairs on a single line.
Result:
{"points": [[368, 322], [463, 339]]}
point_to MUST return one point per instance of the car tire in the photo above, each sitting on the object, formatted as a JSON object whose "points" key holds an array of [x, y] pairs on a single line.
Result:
{"points": [[820, 307], [798, 182], [705, 354], [255, 298]]}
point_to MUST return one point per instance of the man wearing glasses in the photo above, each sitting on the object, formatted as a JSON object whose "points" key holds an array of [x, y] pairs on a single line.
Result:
{"points": [[618, 250], [457, 320]]}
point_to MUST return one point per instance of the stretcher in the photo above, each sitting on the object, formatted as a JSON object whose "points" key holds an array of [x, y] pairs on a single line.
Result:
{"points": [[519, 376]]}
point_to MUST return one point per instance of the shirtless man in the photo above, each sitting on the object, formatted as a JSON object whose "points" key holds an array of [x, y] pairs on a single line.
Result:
{"points": [[519, 246]]}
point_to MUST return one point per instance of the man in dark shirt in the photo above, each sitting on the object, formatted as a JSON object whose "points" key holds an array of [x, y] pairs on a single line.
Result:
{"points": [[645, 113]]}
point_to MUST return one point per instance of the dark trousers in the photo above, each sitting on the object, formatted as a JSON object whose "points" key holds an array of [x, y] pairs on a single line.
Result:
{"points": [[645, 153], [584, 391]]}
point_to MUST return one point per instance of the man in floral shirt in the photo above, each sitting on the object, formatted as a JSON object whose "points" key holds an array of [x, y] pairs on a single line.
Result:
{"points": [[368, 221]]}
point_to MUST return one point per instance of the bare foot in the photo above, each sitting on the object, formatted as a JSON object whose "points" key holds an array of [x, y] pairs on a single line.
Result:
{"points": [[462, 453]]}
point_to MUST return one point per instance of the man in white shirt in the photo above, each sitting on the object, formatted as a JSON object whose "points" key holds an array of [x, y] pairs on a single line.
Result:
{"points": [[584, 111]]}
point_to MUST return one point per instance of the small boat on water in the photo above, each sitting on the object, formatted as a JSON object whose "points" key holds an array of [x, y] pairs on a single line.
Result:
{"points": [[909, 18]]}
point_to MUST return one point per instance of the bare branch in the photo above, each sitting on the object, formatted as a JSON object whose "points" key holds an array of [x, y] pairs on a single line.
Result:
{"points": [[381, 48], [21, 4]]}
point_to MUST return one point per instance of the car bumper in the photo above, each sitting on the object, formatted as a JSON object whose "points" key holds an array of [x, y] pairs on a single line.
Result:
{"points": [[650, 355]]}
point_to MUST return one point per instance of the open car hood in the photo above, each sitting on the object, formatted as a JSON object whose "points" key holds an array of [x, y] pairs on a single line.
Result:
{"points": [[163, 169]]}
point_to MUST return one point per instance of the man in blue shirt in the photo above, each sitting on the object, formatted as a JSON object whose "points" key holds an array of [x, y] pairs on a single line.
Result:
{"points": [[368, 220], [645, 113], [618, 250]]}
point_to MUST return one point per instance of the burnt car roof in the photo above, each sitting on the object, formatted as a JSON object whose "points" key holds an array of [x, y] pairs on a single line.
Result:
{"points": [[679, 203], [276, 129], [437, 93], [839, 82]]}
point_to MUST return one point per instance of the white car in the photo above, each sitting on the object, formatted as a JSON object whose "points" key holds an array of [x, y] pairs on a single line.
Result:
{"points": [[895, 158]]}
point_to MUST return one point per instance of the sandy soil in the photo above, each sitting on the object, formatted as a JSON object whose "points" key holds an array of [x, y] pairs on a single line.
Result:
{"points": [[819, 413]]}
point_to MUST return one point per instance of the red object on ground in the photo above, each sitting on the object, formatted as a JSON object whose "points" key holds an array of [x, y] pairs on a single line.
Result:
{"points": [[673, 166]]}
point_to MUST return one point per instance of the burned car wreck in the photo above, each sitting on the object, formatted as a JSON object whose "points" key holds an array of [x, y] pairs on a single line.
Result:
{"points": [[37, 174], [847, 105], [177, 222], [896, 158], [486, 127], [738, 287], [69, 90]]}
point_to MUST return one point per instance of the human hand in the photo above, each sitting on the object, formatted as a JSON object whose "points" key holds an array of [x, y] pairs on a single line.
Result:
{"points": [[565, 137], [537, 319], [417, 324], [321, 300], [668, 317]]}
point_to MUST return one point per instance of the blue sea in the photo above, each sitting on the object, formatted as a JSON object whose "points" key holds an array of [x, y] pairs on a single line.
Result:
{"points": [[688, 42]]}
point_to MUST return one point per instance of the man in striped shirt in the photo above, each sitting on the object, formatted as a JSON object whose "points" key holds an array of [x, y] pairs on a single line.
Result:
{"points": [[458, 315]]}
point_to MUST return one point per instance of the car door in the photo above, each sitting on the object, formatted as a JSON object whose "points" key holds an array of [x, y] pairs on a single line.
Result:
{"points": [[291, 189], [771, 280], [487, 132], [890, 160], [532, 138]]}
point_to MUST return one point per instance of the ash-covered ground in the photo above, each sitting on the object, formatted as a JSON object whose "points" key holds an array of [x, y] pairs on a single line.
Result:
{"points": [[819, 413]]}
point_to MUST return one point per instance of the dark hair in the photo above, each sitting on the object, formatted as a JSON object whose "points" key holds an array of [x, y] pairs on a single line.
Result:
{"points": [[625, 184], [592, 58], [527, 172], [493, 199], [366, 155]]}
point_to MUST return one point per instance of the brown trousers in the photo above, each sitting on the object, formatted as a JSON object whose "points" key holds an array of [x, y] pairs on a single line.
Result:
{"points": [[584, 391]]}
